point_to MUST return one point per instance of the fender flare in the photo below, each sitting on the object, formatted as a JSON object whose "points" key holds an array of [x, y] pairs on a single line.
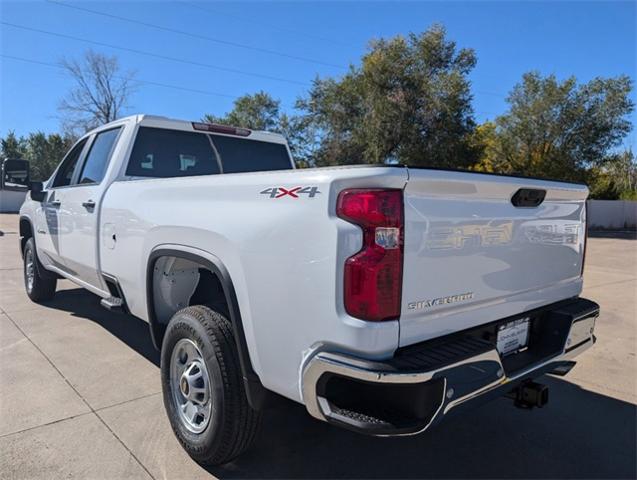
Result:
{"points": [[28, 220], [257, 394]]}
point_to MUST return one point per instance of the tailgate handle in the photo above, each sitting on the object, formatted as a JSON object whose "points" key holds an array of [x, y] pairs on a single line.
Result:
{"points": [[528, 197]]}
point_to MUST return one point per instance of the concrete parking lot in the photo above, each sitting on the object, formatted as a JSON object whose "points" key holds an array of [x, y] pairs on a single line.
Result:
{"points": [[80, 398]]}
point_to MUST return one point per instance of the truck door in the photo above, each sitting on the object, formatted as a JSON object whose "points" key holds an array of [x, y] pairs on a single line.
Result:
{"points": [[79, 210], [47, 221]]}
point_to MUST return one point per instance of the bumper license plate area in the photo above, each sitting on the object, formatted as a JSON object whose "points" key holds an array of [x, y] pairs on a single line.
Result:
{"points": [[513, 336]]}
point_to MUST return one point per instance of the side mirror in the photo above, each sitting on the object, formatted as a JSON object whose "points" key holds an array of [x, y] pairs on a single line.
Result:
{"points": [[38, 194], [15, 175]]}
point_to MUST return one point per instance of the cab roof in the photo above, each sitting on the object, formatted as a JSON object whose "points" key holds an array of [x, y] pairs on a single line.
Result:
{"points": [[157, 121], [198, 126]]}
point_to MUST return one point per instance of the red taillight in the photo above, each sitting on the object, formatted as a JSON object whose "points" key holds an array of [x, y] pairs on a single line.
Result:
{"points": [[373, 277]]}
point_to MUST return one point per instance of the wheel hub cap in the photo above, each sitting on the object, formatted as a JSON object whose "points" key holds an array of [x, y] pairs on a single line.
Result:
{"points": [[184, 386], [190, 385]]}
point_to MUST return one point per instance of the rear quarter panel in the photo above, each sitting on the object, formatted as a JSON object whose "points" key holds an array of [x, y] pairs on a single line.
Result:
{"points": [[284, 256]]}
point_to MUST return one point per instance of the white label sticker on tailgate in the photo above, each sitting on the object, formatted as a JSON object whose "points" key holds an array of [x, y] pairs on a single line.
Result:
{"points": [[513, 336]]}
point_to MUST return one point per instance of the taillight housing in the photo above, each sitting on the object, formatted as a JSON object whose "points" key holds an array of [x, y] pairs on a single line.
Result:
{"points": [[373, 276], [585, 223]]}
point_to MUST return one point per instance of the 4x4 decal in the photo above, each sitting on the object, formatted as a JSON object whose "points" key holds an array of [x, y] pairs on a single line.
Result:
{"points": [[278, 192]]}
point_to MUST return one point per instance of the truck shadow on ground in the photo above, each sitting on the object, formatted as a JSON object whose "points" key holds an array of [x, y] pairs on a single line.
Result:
{"points": [[579, 434], [127, 328]]}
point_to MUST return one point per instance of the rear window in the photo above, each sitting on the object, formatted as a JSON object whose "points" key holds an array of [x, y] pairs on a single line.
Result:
{"points": [[160, 152], [242, 155], [163, 153]]}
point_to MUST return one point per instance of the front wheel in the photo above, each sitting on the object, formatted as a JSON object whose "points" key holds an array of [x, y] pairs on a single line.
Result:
{"points": [[39, 283], [203, 387]]}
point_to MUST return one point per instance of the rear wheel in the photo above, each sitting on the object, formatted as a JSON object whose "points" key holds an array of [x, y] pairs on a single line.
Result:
{"points": [[203, 387], [39, 283]]}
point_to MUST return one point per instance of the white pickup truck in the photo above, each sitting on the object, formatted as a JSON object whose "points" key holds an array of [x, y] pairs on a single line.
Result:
{"points": [[380, 297]]}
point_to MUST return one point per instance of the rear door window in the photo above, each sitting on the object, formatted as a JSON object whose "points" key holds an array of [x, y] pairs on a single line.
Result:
{"points": [[163, 153], [243, 155], [98, 156]]}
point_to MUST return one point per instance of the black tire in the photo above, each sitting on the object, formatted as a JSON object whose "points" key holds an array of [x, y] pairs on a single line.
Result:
{"points": [[43, 284], [232, 424]]}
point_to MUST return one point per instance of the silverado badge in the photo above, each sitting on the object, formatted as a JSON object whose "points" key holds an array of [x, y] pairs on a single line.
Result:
{"points": [[461, 297]]}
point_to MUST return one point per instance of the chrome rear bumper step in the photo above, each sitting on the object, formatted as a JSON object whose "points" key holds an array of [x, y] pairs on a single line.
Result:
{"points": [[409, 392]]}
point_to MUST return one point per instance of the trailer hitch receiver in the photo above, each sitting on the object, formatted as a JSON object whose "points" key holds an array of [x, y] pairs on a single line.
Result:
{"points": [[529, 395]]}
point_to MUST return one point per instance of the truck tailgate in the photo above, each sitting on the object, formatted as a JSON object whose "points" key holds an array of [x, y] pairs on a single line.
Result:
{"points": [[472, 256]]}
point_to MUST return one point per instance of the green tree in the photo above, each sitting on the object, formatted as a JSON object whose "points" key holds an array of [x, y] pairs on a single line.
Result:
{"points": [[485, 140], [260, 111], [45, 152], [560, 129], [408, 102], [623, 171], [616, 178], [13, 146]]}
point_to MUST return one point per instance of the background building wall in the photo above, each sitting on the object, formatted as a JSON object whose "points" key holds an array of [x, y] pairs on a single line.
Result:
{"points": [[612, 214], [11, 200]]}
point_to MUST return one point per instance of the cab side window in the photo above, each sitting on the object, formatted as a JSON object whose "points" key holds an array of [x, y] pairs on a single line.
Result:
{"points": [[163, 153], [97, 159], [64, 175]]}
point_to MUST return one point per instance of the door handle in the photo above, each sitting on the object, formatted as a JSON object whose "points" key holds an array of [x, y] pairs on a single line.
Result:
{"points": [[56, 203], [88, 204]]}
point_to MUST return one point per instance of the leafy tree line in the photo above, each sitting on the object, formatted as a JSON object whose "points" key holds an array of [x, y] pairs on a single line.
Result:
{"points": [[563, 130], [409, 102], [43, 151]]}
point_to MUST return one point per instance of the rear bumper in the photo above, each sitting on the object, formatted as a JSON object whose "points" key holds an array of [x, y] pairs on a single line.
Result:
{"points": [[422, 383]]}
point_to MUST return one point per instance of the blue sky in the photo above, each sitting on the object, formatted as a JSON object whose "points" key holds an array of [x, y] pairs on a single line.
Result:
{"points": [[585, 39]]}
